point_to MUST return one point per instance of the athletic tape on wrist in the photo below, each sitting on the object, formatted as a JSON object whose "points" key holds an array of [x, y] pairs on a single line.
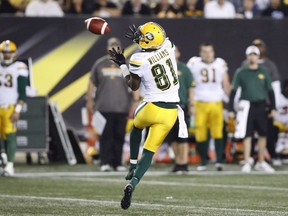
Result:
{"points": [[18, 108], [133, 161], [125, 70]]}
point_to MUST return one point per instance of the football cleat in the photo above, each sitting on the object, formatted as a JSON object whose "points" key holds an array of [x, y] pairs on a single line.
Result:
{"points": [[201, 168], [246, 168], [219, 166], [126, 200], [105, 168], [9, 169]]}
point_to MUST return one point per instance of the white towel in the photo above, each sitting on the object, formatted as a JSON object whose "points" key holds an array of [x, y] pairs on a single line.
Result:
{"points": [[242, 118], [183, 131]]}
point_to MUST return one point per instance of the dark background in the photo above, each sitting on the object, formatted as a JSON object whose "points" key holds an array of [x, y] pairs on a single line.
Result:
{"points": [[37, 36]]}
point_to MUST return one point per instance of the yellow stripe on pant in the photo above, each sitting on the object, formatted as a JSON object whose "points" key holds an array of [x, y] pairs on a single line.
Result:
{"points": [[160, 120], [6, 125]]}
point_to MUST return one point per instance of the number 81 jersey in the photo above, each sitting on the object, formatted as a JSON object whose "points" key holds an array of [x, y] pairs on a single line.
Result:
{"points": [[158, 72], [208, 79], [9, 81]]}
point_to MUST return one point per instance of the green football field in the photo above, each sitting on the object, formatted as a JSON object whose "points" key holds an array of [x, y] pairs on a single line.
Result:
{"points": [[83, 190]]}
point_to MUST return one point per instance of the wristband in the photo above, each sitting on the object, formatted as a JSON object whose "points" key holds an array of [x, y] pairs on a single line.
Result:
{"points": [[125, 70], [18, 108]]}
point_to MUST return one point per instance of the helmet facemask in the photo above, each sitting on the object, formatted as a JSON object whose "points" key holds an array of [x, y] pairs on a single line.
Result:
{"points": [[150, 36], [7, 52]]}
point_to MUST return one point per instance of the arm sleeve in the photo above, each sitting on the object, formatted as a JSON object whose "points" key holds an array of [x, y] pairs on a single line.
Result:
{"points": [[236, 80], [268, 82], [94, 72], [272, 99], [22, 83], [231, 100], [275, 75], [189, 79]]}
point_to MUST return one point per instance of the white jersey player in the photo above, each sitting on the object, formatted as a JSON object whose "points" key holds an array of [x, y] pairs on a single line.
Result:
{"points": [[208, 78], [13, 81], [210, 82], [9, 81], [281, 120], [156, 68], [158, 73]]}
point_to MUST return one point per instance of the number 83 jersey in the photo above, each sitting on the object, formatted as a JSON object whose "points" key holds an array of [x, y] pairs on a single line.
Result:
{"points": [[208, 79], [158, 72], [9, 81]]}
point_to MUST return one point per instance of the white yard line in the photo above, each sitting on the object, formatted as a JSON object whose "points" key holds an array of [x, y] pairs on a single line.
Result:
{"points": [[189, 184], [84, 176], [149, 173], [148, 205]]}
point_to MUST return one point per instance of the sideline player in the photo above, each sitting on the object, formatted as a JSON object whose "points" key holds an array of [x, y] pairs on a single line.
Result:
{"points": [[211, 78], [156, 68], [13, 82], [179, 145]]}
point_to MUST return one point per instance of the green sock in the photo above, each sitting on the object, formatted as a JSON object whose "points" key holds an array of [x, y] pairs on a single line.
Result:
{"points": [[219, 149], [135, 140], [142, 167], [202, 148], [10, 146]]}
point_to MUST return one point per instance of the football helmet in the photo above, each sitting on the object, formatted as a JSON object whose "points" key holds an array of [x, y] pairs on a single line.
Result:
{"points": [[7, 52], [151, 35]]}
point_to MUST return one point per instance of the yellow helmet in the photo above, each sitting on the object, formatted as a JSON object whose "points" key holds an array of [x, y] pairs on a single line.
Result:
{"points": [[7, 52], [152, 36]]}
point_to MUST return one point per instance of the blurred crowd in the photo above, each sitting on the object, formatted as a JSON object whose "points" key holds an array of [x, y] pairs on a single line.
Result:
{"points": [[211, 9]]}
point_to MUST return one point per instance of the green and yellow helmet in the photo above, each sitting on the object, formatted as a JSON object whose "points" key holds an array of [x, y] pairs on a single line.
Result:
{"points": [[152, 36], [8, 51]]}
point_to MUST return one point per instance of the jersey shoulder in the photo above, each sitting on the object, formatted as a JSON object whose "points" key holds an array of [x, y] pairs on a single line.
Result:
{"points": [[137, 59], [193, 61], [168, 44], [22, 68], [221, 62]]}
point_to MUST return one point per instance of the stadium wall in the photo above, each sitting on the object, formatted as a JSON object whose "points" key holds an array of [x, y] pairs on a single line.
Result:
{"points": [[63, 51]]}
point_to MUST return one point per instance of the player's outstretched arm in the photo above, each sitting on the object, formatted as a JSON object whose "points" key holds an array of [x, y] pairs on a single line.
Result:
{"points": [[132, 80]]}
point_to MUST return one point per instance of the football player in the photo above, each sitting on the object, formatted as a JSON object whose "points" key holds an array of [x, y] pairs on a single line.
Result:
{"points": [[13, 82], [156, 68], [211, 80]]}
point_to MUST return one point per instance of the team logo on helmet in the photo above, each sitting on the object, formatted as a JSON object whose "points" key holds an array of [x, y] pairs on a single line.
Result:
{"points": [[149, 36]]}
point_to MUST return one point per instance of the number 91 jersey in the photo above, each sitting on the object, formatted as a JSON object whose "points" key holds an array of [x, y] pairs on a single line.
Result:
{"points": [[158, 72], [208, 79], [9, 81]]}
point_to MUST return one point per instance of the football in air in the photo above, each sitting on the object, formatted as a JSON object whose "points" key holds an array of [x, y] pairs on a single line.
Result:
{"points": [[97, 25]]}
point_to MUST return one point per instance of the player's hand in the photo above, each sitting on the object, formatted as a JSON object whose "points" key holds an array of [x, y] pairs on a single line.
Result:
{"points": [[117, 56], [15, 116], [272, 113], [134, 34], [231, 115]]}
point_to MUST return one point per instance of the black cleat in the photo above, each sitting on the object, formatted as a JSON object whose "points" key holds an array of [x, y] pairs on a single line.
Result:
{"points": [[219, 167], [126, 200]]}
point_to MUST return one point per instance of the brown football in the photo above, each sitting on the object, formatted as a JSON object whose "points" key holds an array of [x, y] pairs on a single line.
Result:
{"points": [[97, 25]]}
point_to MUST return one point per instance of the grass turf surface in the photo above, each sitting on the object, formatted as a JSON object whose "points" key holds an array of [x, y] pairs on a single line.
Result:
{"points": [[83, 190]]}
